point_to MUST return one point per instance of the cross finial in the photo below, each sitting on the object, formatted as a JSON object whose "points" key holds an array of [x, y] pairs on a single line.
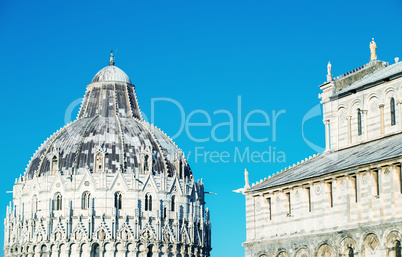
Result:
{"points": [[111, 62]]}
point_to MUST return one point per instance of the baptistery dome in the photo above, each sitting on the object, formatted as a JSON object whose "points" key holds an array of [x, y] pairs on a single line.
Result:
{"points": [[108, 184]]}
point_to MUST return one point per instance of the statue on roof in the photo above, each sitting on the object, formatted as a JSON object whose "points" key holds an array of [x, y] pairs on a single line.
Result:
{"points": [[247, 182], [329, 75], [111, 62], [329, 68], [373, 49]]}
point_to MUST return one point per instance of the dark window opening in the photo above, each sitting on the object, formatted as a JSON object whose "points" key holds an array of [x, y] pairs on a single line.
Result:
{"points": [[359, 122], [392, 106], [118, 203]]}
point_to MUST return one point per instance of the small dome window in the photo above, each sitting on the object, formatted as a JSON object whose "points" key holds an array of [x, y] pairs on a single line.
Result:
{"points": [[118, 202], [58, 202], [148, 202], [86, 200]]}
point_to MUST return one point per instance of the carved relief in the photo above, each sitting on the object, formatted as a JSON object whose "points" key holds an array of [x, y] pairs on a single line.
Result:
{"points": [[297, 195], [317, 189], [278, 199], [324, 251], [387, 174], [365, 178], [370, 245], [342, 184]]}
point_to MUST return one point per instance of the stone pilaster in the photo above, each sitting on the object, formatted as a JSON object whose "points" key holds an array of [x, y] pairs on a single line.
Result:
{"points": [[349, 120], [381, 106], [327, 135]]}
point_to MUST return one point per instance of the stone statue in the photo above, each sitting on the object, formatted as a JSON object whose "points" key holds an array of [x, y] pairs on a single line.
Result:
{"points": [[111, 62], [329, 68], [373, 49], [247, 182]]}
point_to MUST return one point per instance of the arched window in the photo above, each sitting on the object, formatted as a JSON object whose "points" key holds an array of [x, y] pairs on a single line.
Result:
{"points": [[351, 253], [54, 164], [148, 202], [86, 199], [58, 202], [95, 250], [118, 201], [397, 248], [149, 254], [146, 162], [173, 203], [392, 107], [34, 204], [180, 169], [359, 122]]}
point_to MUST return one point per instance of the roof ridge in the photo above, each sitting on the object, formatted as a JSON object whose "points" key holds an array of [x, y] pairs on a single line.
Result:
{"points": [[306, 160], [347, 74]]}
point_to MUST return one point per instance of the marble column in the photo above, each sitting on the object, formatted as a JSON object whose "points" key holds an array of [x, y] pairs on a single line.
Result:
{"points": [[381, 106], [365, 124], [56, 253], [101, 251], [399, 117], [349, 120], [86, 250], [121, 250], [155, 251], [327, 135]]}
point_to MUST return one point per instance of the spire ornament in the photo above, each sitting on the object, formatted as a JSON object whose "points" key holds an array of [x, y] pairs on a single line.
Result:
{"points": [[111, 62]]}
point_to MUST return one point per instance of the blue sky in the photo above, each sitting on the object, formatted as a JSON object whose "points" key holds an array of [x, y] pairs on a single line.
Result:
{"points": [[203, 54]]}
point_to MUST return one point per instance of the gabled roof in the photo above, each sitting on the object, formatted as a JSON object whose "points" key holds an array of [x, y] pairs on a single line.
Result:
{"points": [[379, 75], [331, 162]]}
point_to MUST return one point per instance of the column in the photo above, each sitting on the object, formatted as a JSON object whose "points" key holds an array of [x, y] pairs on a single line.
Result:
{"points": [[86, 250], [381, 106], [56, 253], [101, 251], [349, 120], [155, 251], [365, 124], [327, 136], [65, 251], [399, 117], [121, 250], [165, 250]]}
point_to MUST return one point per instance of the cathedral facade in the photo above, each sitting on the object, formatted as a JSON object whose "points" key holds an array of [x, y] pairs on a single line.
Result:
{"points": [[108, 184], [346, 201]]}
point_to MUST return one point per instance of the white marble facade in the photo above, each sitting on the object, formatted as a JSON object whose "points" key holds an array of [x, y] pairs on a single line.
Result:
{"points": [[346, 201], [371, 99], [108, 184]]}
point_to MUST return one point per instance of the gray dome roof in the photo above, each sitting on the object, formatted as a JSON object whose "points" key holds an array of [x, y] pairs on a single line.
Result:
{"points": [[111, 73], [109, 123]]}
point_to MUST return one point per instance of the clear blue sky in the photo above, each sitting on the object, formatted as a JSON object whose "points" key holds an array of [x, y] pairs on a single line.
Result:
{"points": [[204, 55]]}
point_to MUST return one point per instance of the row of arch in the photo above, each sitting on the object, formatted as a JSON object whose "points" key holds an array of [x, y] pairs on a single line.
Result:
{"points": [[392, 114], [99, 162], [370, 246], [384, 98], [118, 202], [95, 248]]}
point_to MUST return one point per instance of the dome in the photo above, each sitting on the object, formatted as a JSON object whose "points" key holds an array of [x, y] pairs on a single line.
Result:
{"points": [[122, 143], [108, 183], [111, 73], [110, 127]]}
